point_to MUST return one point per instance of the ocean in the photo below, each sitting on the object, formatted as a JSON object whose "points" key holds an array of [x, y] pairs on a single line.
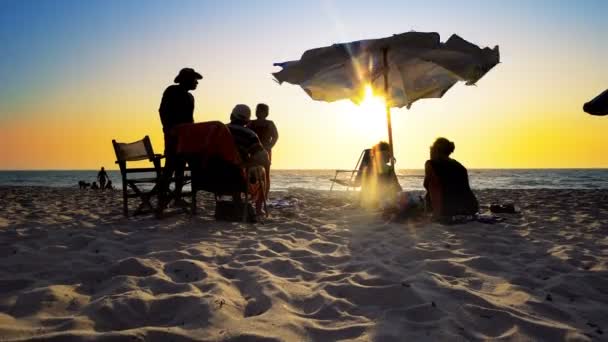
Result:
{"points": [[320, 179]]}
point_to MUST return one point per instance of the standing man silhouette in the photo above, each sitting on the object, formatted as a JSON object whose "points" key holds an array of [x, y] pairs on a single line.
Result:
{"points": [[176, 107], [268, 134], [102, 177]]}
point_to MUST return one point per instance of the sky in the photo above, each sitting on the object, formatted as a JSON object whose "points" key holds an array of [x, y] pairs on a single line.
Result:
{"points": [[77, 74]]}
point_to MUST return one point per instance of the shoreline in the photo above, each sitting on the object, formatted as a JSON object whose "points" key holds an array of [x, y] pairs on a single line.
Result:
{"points": [[322, 269]]}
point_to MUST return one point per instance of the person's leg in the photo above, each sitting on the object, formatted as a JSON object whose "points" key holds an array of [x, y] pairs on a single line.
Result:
{"points": [[267, 172], [267, 169], [166, 174], [180, 166]]}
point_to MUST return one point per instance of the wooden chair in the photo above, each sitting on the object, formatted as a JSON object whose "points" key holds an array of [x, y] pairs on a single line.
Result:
{"points": [[137, 151], [216, 165], [356, 174]]}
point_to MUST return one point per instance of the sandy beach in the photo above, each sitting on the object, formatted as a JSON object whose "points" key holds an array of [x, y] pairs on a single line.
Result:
{"points": [[73, 268]]}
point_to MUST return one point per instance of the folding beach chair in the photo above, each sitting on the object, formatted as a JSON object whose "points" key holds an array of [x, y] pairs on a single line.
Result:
{"points": [[356, 174], [216, 166], [137, 151], [140, 186]]}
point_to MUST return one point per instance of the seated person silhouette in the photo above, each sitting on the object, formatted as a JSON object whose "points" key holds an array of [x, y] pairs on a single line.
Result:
{"points": [[250, 149], [447, 184], [379, 184], [109, 185]]}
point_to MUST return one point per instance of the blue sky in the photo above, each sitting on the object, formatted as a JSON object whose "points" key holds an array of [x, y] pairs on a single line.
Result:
{"points": [[108, 61]]}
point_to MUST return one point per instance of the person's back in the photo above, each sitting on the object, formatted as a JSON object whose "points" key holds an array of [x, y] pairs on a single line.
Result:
{"points": [[457, 196], [447, 183], [247, 142], [266, 131], [177, 107]]}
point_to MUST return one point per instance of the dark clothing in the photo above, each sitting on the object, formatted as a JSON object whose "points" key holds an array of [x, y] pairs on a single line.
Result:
{"points": [[102, 176], [176, 107], [448, 189], [266, 131], [268, 134], [246, 141]]}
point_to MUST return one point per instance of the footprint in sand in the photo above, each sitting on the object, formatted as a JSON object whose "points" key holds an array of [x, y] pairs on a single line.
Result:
{"points": [[185, 271]]}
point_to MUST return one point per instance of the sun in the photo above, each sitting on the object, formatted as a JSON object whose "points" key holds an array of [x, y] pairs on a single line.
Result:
{"points": [[370, 118], [372, 103]]}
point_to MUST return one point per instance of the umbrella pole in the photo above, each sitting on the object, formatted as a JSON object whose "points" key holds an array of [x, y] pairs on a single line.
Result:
{"points": [[388, 108]]}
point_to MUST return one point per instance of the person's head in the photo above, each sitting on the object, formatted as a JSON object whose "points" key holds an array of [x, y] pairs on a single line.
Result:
{"points": [[102, 169], [241, 115], [188, 78], [382, 151], [261, 111], [442, 148]]}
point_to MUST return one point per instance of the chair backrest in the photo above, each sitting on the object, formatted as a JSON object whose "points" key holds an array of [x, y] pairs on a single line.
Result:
{"points": [[206, 140], [138, 150], [212, 155], [363, 162]]}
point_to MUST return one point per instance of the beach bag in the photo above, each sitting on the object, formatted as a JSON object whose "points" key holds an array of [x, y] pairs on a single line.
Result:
{"points": [[233, 211]]}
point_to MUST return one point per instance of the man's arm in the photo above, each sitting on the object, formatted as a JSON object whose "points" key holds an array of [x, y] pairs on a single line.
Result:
{"points": [[274, 133]]}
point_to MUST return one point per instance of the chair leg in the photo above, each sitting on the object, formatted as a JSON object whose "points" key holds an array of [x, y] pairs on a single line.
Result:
{"points": [[332, 182], [125, 205]]}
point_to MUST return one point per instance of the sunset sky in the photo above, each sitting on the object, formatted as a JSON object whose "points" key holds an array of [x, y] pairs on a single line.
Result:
{"points": [[77, 74]]}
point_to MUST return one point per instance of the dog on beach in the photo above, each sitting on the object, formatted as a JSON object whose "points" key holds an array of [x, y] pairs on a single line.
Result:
{"points": [[83, 184]]}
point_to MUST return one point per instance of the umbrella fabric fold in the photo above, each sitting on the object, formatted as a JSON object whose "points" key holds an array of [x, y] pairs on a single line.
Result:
{"points": [[419, 66], [599, 105]]}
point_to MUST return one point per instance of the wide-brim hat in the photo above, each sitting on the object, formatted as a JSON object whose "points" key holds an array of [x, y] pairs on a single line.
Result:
{"points": [[187, 74]]}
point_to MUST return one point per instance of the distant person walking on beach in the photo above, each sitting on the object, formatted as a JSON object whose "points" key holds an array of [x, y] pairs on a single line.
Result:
{"points": [[447, 184], [268, 134], [176, 107], [102, 177]]}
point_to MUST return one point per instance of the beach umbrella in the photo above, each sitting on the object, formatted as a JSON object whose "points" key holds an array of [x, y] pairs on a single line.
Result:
{"points": [[599, 105], [402, 68]]}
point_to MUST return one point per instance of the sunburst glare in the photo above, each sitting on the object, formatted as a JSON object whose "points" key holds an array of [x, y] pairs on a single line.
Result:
{"points": [[370, 118]]}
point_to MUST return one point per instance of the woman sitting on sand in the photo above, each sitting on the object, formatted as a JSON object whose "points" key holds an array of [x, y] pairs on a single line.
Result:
{"points": [[447, 184], [379, 185]]}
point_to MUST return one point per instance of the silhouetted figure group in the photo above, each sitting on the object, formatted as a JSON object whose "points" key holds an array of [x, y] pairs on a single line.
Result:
{"points": [[446, 180], [104, 182], [253, 139], [448, 198]]}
